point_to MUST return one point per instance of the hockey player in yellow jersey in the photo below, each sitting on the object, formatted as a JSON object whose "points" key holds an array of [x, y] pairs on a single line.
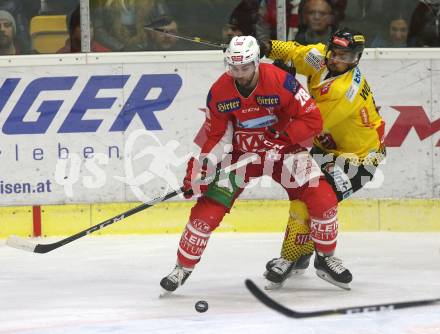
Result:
{"points": [[348, 150]]}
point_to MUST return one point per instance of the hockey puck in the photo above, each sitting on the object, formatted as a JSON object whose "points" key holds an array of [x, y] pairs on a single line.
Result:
{"points": [[201, 306]]}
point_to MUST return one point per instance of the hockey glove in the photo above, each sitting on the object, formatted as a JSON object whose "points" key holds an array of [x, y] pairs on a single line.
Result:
{"points": [[196, 172], [281, 64], [265, 48], [326, 140], [275, 141]]}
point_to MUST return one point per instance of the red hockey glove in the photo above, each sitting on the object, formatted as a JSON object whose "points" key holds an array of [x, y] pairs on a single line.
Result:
{"points": [[195, 174], [275, 141]]}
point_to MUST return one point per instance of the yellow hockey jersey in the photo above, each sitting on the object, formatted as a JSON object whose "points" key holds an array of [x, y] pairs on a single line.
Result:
{"points": [[351, 120]]}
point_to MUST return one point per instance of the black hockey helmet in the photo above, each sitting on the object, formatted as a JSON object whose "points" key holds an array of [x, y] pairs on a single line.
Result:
{"points": [[347, 40]]}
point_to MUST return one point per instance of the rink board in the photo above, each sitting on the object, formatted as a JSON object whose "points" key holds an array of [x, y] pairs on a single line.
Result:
{"points": [[88, 136], [417, 215], [119, 127]]}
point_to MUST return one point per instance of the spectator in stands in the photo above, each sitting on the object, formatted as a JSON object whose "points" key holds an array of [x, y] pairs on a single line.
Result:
{"points": [[317, 22], [119, 24], [242, 20], [8, 29], [21, 15], [396, 36], [158, 41], [73, 43], [266, 27], [424, 28], [372, 17]]}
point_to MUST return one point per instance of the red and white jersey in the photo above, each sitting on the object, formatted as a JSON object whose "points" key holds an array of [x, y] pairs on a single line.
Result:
{"points": [[278, 101]]}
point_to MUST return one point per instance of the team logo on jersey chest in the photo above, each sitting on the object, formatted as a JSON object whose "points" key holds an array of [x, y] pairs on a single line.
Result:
{"points": [[268, 100], [228, 105], [249, 141]]}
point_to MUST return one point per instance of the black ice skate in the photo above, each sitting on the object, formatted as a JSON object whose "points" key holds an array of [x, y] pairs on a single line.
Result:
{"points": [[330, 268], [279, 269], [175, 279]]}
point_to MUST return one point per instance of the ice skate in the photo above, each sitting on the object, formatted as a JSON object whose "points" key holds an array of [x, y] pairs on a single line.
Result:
{"points": [[330, 269], [279, 269], [175, 279]]}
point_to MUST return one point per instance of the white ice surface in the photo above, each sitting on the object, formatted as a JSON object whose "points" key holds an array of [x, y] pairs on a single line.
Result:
{"points": [[111, 285]]}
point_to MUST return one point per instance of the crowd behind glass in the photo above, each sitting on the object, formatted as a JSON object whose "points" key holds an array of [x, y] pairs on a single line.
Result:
{"points": [[54, 26]]}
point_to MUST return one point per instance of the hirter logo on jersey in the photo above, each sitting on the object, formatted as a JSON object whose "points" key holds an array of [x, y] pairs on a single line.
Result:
{"points": [[228, 105], [267, 100]]}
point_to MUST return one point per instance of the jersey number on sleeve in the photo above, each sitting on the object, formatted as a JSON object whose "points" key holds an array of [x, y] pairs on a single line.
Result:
{"points": [[302, 96]]}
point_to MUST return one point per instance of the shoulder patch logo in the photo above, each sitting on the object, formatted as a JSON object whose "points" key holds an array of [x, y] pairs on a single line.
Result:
{"points": [[228, 105], [291, 84], [314, 59]]}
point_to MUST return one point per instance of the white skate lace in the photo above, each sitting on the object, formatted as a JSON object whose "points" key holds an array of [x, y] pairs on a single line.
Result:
{"points": [[281, 265], [335, 264], [177, 275]]}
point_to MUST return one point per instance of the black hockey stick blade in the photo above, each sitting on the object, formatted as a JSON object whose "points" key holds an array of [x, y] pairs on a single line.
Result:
{"points": [[27, 245], [269, 302]]}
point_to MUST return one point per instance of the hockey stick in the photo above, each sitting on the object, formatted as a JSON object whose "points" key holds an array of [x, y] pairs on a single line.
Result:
{"points": [[24, 244], [269, 302], [188, 38], [27, 245]]}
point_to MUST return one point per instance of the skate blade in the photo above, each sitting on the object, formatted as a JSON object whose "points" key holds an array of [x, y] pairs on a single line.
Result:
{"points": [[165, 293], [297, 272], [272, 285], [293, 272], [326, 277]]}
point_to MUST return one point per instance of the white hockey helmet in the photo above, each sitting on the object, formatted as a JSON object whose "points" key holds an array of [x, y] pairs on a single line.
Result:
{"points": [[242, 50]]}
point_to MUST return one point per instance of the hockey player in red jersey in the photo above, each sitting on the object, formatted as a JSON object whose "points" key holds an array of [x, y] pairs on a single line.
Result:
{"points": [[257, 109]]}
